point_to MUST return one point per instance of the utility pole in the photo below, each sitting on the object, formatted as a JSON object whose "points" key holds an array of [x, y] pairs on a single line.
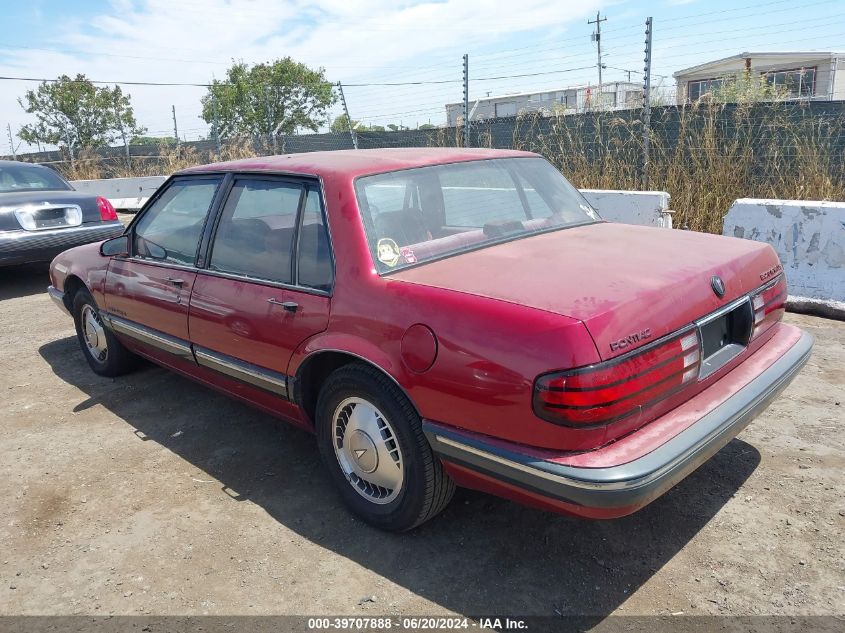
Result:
{"points": [[647, 102], [597, 40], [123, 135], [348, 119], [175, 128], [11, 141], [467, 141]]}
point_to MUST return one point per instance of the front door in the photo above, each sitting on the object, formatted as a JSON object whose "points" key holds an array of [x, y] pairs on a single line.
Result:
{"points": [[147, 293], [266, 287]]}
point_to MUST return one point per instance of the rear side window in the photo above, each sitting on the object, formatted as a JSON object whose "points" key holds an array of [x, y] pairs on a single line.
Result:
{"points": [[255, 234], [170, 229], [315, 262]]}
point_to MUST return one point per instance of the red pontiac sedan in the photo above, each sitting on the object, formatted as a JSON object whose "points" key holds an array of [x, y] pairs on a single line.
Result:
{"points": [[442, 317]]}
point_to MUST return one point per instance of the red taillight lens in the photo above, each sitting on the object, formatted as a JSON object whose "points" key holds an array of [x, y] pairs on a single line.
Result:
{"points": [[107, 211], [768, 305], [624, 386]]}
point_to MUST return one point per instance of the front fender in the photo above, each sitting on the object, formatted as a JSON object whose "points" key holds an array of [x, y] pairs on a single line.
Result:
{"points": [[86, 264]]}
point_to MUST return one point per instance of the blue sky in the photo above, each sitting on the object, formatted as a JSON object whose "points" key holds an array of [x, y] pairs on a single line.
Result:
{"points": [[367, 41]]}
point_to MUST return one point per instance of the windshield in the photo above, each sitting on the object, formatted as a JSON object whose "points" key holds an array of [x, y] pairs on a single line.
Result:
{"points": [[23, 177], [415, 215]]}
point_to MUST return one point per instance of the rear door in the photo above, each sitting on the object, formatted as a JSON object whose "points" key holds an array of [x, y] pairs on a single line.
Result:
{"points": [[148, 292], [266, 284]]}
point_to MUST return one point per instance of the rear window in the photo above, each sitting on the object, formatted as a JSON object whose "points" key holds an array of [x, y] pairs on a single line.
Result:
{"points": [[416, 215], [25, 177]]}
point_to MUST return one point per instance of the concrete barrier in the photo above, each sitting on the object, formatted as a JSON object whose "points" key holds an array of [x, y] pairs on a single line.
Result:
{"points": [[809, 237], [123, 193], [649, 208]]}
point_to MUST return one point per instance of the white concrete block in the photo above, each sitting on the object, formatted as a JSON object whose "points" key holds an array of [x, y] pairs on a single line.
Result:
{"points": [[809, 237], [648, 208], [123, 193]]}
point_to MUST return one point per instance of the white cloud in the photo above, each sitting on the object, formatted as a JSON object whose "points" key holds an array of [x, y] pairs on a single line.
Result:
{"points": [[355, 40]]}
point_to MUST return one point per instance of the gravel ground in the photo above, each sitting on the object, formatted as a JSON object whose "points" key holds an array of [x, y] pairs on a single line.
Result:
{"points": [[150, 494]]}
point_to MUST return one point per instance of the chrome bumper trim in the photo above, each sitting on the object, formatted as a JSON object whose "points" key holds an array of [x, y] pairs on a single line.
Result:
{"points": [[637, 482], [58, 298]]}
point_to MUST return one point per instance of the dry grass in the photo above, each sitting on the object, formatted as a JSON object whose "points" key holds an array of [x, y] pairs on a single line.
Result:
{"points": [[706, 155], [164, 160]]}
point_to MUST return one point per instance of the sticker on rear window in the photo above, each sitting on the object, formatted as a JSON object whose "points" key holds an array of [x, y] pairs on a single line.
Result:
{"points": [[408, 254], [388, 252]]}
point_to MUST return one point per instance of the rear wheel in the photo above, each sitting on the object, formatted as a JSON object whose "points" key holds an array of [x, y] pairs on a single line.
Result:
{"points": [[105, 354], [372, 443]]}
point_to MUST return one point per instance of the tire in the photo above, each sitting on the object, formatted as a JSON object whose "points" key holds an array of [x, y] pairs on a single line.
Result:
{"points": [[357, 397], [105, 354]]}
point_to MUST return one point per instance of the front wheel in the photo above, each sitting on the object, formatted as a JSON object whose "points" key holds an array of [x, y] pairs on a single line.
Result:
{"points": [[105, 354], [371, 440]]}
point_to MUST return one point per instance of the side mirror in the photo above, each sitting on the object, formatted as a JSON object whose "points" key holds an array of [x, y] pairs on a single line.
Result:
{"points": [[115, 247]]}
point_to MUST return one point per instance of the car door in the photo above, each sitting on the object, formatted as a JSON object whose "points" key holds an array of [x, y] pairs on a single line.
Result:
{"points": [[266, 284], [147, 293]]}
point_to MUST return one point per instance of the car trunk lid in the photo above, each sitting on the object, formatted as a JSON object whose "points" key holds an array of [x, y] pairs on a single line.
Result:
{"points": [[628, 284], [46, 208]]}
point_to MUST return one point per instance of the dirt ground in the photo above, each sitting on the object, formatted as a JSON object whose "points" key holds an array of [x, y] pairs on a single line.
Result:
{"points": [[150, 494]]}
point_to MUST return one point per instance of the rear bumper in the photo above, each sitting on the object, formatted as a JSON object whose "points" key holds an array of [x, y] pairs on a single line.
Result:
{"points": [[614, 490], [21, 247]]}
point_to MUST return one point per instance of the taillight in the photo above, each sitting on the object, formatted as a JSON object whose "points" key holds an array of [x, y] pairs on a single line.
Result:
{"points": [[625, 386], [768, 305], [107, 211]]}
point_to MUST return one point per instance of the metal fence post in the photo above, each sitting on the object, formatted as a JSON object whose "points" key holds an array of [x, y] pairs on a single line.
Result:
{"points": [[175, 128], [467, 140], [11, 141], [348, 120], [647, 102]]}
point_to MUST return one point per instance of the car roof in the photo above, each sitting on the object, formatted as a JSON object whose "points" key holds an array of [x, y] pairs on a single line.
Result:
{"points": [[352, 163], [18, 163]]}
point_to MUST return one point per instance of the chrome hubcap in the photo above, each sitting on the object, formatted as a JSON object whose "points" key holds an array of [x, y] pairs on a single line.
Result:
{"points": [[367, 450], [94, 333]]}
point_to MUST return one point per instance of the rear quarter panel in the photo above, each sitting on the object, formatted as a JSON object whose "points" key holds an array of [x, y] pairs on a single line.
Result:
{"points": [[488, 351]]}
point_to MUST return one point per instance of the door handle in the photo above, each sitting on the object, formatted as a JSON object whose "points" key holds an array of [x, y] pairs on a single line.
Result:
{"points": [[290, 306], [173, 281]]}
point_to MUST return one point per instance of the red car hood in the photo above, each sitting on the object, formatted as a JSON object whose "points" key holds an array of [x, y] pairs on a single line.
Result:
{"points": [[619, 280]]}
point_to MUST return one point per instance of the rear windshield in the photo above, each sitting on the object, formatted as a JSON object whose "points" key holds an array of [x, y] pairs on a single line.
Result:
{"points": [[28, 178], [416, 215]]}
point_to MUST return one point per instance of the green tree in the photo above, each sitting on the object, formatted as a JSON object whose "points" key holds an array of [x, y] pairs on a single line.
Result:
{"points": [[340, 124], [76, 113], [427, 126], [277, 97]]}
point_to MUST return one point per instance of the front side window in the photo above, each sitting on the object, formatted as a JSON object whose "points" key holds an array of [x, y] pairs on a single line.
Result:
{"points": [[415, 215], [170, 229], [22, 177], [256, 231]]}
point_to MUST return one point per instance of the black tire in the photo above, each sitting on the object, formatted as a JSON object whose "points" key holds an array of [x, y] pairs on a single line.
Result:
{"points": [[118, 360], [426, 489]]}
